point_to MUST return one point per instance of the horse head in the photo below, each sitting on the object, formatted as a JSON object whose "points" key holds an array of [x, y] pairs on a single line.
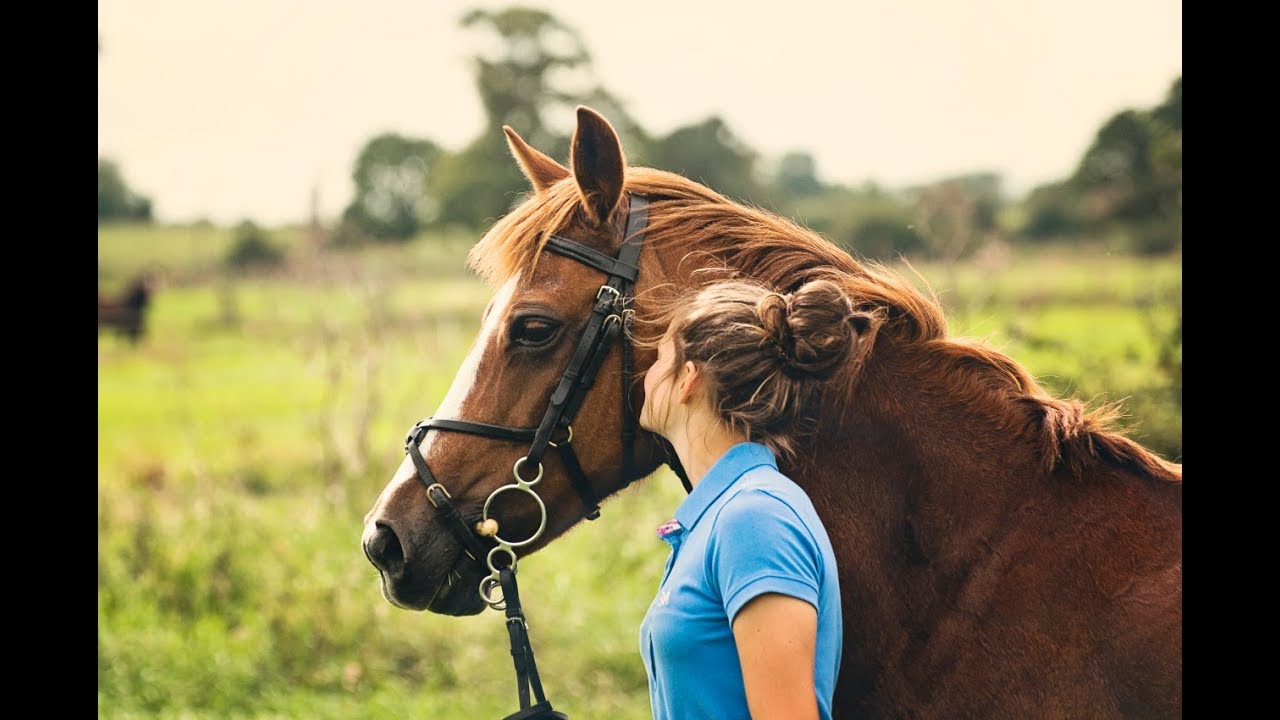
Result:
{"points": [[544, 405]]}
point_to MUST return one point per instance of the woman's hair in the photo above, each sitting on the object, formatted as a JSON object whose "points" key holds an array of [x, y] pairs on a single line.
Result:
{"points": [[764, 355]]}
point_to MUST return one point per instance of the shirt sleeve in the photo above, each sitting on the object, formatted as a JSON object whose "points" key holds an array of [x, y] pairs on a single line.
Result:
{"points": [[760, 545]]}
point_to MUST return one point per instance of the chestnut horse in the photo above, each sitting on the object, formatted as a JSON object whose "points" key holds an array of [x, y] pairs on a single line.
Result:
{"points": [[1003, 552]]}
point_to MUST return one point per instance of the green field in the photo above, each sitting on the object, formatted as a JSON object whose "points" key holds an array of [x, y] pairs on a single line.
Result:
{"points": [[241, 443]]}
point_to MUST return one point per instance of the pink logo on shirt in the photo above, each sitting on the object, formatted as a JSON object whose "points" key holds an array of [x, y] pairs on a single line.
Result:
{"points": [[669, 527]]}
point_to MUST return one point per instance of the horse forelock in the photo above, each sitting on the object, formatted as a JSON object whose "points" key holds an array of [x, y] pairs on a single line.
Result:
{"points": [[515, 242], [752, 242]]}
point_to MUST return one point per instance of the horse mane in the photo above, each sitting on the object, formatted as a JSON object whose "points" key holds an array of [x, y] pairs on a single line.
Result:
{"points": [[786, 255]]}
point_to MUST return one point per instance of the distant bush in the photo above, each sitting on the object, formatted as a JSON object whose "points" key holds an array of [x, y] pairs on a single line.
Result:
{"points": [[1156, 236], [349, 234], [883, 237], [252, 248]]}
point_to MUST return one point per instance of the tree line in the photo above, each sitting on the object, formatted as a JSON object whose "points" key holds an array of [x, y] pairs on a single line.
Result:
{"points": [[1126, 187]]}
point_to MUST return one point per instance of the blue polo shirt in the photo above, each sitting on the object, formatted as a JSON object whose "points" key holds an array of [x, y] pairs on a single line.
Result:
{"points": [[746, 529]]}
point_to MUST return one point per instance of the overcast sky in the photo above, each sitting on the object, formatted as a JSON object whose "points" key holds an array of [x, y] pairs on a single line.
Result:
{"points": [[238, 108]]}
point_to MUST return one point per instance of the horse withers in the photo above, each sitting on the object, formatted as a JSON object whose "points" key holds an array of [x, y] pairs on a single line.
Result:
{"points": [[1002, 552]]}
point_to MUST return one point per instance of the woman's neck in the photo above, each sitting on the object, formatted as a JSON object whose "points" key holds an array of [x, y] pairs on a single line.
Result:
{"points": [[703, 442]]}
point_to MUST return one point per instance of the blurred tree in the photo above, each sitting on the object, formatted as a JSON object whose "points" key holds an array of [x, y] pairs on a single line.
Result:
{"points": [[711, 154], [1169, 112], [535, 71], [884, 235], [981, 189], [1128, 183], [537, 62], [392, 177], [1118, 161], [1130, 177], [867, 222], [956, 215], [1054, 211], [251, 247], [1159, 205], [797, 176], [948, 219], [115, 200]]}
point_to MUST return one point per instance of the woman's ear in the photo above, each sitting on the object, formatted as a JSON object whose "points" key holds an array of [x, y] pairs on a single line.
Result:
{"points": [[690, 379]]}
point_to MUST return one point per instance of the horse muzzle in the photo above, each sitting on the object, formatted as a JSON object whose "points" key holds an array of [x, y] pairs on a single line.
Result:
{"points": [[449, 589]]}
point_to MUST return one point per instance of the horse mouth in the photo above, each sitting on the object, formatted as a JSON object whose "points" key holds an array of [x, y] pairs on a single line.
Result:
{"points": [[457, 594]]}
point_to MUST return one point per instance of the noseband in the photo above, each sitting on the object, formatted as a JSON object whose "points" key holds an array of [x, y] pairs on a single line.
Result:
{"points": [[609, 318]]}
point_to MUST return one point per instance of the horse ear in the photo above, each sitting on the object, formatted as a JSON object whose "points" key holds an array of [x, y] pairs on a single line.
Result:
{"points": [[598, 164], [542, 171]]}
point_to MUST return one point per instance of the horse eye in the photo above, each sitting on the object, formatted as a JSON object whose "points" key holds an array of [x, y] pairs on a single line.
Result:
{"points": [[534, 331]]}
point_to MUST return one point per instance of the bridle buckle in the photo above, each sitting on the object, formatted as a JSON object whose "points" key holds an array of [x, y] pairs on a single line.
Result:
{"points": [[443, 489], [617, 295]]}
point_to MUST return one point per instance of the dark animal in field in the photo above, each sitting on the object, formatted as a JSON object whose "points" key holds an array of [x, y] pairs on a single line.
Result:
{"points": [[127, 312]]}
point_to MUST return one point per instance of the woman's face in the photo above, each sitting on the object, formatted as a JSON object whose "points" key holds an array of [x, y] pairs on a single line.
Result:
{"points": [[659, 383]]}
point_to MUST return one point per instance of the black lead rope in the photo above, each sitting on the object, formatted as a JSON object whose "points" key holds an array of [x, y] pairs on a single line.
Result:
{"points": [[522, 655]]}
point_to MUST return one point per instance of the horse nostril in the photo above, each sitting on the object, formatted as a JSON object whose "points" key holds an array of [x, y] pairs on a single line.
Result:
{"points": [[382, 547]]}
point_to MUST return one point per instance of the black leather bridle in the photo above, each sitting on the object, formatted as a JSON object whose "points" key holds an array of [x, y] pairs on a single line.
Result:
{"points": [[610, 318]]}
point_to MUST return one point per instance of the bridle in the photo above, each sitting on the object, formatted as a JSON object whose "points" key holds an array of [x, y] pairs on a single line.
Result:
{"points": [[610, 318], [609, 313]]}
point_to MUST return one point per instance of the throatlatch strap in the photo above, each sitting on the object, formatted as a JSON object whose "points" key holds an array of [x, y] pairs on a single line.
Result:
{"points": [[590, 505]]}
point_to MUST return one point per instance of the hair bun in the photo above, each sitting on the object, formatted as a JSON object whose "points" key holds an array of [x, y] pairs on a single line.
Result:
{"points": [[760, 352], [775, 321], [818, 333]]}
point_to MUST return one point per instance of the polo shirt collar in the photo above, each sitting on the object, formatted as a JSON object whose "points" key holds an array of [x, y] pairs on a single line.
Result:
{"points": [[739, 459]]}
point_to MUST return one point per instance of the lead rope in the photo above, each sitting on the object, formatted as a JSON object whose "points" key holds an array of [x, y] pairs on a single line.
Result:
{"points": [[522, 655]]}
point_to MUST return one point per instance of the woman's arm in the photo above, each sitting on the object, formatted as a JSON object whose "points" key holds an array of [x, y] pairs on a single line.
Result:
{"points": [[776, 635]]}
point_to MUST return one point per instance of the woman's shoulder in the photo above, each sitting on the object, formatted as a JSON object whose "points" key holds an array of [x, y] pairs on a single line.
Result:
{"points": [[768, 481], [764, 495], [763, 527]]}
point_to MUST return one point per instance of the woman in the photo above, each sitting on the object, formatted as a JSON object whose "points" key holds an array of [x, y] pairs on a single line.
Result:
{"points": [[746, 622]]}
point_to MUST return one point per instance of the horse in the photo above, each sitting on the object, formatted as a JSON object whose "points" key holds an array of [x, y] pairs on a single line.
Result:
{"points": [[1002, 552], [127, 313]]}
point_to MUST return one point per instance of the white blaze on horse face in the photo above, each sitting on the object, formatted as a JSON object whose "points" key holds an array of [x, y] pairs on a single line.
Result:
{"points": [[451, 407]]}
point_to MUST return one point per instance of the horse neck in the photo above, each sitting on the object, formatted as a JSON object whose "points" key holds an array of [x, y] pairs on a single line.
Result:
{"points": [[940, 503], [930, 466], [924, 472]]}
